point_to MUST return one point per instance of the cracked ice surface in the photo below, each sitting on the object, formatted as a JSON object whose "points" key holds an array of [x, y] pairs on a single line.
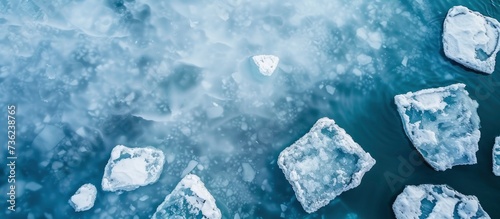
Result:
{"points": [[189, 199], [496, 157], [471, 39], [131, 168], [84, 197], [442, 123], [436, 201], [324, 163]]}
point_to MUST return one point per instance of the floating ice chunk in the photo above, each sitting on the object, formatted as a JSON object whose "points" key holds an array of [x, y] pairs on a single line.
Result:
{"points": [[248, 172], [374, 39], [33, 186], [496, 156], [189, 199], [442, 123], [266, 63], [436, 201], [130, 168], [471, 39], [323, 163], [191, 165], [405, 61], [364, 59], [84, 198], [48, 138]]}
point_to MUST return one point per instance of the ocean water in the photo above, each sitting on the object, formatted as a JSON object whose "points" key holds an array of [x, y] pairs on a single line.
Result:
{"points": [[177, 75]]}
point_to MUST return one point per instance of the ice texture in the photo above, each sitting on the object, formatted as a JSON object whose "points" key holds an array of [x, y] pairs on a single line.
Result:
{"points": [[189, 199], [471, 39], [84, 198], [496, 157], [131, 168], [442, 123], [267, 63], [324, 163], [436, 201]]}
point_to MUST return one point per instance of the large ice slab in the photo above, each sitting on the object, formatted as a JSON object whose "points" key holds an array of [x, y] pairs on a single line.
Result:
{"points": [[496, 156], [442, 123], [189, 199], [84, 198], [267, 63], [324, 163], [436, 201], [130, 168], [471, 39]]}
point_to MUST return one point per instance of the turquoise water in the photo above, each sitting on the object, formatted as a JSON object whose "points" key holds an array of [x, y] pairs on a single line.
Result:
{"points": [[175, 75]]}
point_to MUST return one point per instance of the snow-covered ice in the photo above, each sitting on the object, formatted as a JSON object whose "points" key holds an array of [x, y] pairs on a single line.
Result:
{"points": [[496, 156], [130, 168], [267, 63], [436, 201], [84, 198], [471, 39], [442, 123], [324, 163], [189, 199]]}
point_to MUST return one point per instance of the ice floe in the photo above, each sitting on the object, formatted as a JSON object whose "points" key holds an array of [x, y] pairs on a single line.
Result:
{"points": [[130, 168], [84, 198], [442, 123], [324, 163], [436, 201], [471, 39], [267, 63], [189, 199], [496, 157]]}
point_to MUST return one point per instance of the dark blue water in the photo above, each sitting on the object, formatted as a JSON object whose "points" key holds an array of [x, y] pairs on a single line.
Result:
{"points": [[175, 75]]}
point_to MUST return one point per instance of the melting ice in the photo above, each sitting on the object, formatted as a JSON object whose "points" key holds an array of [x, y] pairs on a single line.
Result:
{"points": [[442, 123], [130, 168], [324, 163], [471, 39], [436, 201]]}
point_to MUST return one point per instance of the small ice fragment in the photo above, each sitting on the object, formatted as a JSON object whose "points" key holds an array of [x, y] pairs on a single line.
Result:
{"points": [[436, 201], [266, 63], [471, 39], [283, 207], [248, 172], [48, 138], [84, 198], [33, 186], [496, 157], [191, 165], [324, 163], [442, 123], [189, 199], [405, 61], [330, 89], [129, 168], [364, 59], [374, 39]]}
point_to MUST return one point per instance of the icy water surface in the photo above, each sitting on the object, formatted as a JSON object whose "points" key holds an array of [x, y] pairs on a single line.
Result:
{"points": [[177, 75]]}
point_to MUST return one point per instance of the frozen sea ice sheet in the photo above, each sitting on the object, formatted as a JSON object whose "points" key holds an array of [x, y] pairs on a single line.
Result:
{"points": [[324, 163], [442, 123], [471, 39], [130, 168], [436, 201], [496, 157], [84, 198], [189, 199]]}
